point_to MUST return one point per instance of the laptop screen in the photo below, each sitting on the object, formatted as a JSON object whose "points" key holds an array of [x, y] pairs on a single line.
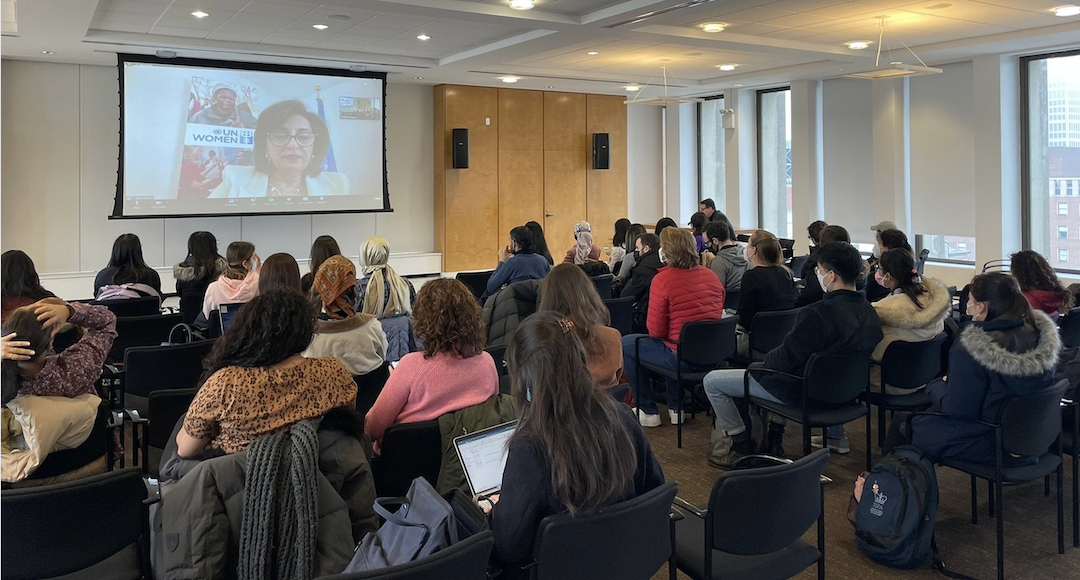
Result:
{"points": [[226, 312], [483, 455]]}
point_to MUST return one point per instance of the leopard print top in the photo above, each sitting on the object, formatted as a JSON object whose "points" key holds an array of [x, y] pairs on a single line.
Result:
{"points": [[237, 405]]}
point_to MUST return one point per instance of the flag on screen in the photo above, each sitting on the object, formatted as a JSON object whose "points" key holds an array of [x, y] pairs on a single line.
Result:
{"points": [[329, 164]]}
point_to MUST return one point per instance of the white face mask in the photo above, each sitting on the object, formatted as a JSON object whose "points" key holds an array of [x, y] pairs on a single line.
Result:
{"points": [[660, 253], [821, 280]]}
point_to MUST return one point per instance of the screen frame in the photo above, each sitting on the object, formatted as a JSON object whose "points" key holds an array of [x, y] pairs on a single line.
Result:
{"points": [[124, 58]]}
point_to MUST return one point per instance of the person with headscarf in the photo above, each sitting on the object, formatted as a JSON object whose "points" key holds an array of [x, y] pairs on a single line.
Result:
{"points": [[584, 249], [356, 339], [387, 296]]}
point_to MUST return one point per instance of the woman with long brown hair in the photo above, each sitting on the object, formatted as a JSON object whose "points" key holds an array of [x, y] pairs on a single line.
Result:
{"points": [[570, 293], [1039, 283], [767, 286], [549, 467], [239, 282]]}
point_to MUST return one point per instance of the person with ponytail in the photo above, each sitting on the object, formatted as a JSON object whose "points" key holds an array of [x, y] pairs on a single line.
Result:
{"points": [[381, 291], [548, 469], [1008, 350], [584, 249], [1039, 283], [768, 285], [238, 283]]}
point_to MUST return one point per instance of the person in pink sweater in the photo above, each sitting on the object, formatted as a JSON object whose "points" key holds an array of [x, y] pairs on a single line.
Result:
{"points": [[452, 372], [239, 283]]}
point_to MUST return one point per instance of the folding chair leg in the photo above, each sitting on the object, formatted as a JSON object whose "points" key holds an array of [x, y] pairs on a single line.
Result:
{"points": [[1060, 509], [974, 500], [1076, 501], [880, 425], [1000, 532], [821, 538]]}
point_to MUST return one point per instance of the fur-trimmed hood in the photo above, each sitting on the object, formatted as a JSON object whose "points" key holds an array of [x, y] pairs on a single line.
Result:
{"points": [[899, 311], [986, 347]]}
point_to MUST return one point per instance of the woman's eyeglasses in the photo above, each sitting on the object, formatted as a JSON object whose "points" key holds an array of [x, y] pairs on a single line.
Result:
{"points": [[282, 138]]}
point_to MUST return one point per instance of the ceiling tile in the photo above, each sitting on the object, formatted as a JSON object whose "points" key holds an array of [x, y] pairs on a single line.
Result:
{"points": [[287, 41], [989, 14], [845, 10], [755, 29], [268, 20], [1037, 6], [795, 20], [380, 49], [190, 22], [756, 14], [132, 6], [398, 21], [374, 31], [185, 32], [127, 17], [277, 9], [209, 5], [792, 33], [236, 37], [494, 32], [446, 28], [123, 27], [463, 40]]}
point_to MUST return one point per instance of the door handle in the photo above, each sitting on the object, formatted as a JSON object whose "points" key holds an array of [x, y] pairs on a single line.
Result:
{"points": [[549, 215]]}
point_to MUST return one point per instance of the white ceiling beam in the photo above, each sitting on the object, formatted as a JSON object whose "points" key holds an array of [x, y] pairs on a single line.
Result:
{"points": [[624, 10], [492, 13], [500, 45], [745, 42]]}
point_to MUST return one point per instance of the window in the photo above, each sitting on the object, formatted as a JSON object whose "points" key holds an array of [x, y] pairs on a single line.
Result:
{"points": [[774, 161], [1050, 97], [959, 249], [711, 137]]}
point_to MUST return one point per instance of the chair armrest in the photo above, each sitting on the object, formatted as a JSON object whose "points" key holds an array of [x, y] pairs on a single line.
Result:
{"points": [[134, 416], [825, 479], [761, 457], [685, 505], [765, 370], [937, 414], [675, 515]]}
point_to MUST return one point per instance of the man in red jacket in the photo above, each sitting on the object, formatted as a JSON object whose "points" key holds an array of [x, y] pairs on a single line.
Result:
{"points": [[681, 292]]}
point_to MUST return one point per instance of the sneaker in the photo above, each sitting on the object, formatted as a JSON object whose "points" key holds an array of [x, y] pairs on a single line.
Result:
{"points": [[725, 461], [676, 417], [647, 419], [840, 446]]}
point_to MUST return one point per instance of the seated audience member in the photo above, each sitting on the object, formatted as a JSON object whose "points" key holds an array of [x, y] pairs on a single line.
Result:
{"points": [[584, 249], [569, 292], [892, 239], [622, 273], [877, 229], [697, 223], [618, 248], [281, 273], [1009, 350], [813, 232], [575, 450], [452, 372], [518, 261], [202, 265], [357, 340], [540, 242], [238, 283], [256, 382], [767, 286], [1040, 283], [811, 292], [664, 223], [20, 284], [322, 248], [384, 294], [127, 268], [27, 337], [681, 292], [729, 262], [647, 264], [843, 322]]}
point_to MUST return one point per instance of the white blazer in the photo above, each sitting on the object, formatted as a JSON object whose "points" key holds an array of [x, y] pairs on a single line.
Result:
{"points": [[241, 181]]}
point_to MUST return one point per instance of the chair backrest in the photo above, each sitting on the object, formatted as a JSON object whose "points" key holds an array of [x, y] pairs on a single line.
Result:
{"points": [[603, 285], [476, 282], [779, 503], [742, 238], [909, 365], [498, 354], [625, 541], [214, 329], [836, 379], [920, 263], [150, 330], [992, 265], [707, 343], [143, 306], [151, 368], [409, 450], [1031, 423], [64, 528], [1069, 327], [166, 407], [465, 560], [191, 303], [369, 386], [797, 264], [787, 246], [622, 313], [769, 328], [731, 298]]}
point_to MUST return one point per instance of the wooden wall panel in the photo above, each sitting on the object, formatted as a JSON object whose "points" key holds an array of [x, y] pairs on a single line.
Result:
{"points": [[564, 197], [472, 238], [606, 188], [441, 163], [521, 158], [564, 122], [521, 120]]}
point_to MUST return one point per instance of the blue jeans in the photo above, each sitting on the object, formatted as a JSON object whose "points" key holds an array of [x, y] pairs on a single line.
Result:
{"points": [[657, 352], [725, 385]]}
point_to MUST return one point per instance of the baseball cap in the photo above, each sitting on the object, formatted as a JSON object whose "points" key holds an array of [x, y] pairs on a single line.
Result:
{"points": [[885, 225], [220, 86]]}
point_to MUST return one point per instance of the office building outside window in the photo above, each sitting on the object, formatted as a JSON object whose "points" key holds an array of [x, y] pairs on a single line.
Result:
{"points": [[1063, 255]]}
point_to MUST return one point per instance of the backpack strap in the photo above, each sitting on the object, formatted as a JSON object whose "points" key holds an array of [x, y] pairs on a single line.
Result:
{"points": [[939, 565]]}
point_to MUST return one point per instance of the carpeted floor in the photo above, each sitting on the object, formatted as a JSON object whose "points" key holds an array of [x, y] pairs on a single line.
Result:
{"points": [[1030, 518]]}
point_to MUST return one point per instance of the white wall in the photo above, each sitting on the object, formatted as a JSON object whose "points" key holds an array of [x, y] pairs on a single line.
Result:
{"points": [[849, 156], [645, 158], [60, 135]]}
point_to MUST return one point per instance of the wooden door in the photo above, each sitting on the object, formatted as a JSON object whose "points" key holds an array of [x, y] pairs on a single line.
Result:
{"points": [[565, 160], [521, 158]]}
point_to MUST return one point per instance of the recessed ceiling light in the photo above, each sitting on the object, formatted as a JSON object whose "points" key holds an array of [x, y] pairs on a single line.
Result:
{"points": [[738, 84], [47, 52], [522, 4], [1067, 10], [319, 26], [714, 26], [897, 62], [509, 79], [419, 78], [632, 88], [858, 44], [199, 14], [423, 37], [592, 53], [726, 67]]}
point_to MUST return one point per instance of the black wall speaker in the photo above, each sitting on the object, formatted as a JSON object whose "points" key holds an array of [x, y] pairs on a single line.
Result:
{"points": [[460, 148], [601, 151]]}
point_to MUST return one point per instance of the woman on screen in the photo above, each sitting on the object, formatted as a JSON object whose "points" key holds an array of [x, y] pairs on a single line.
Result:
{"points": [[290, 146]]}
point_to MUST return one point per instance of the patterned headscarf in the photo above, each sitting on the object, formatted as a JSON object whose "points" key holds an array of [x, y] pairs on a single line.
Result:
{"points": [[336, 275], [583, 242]]}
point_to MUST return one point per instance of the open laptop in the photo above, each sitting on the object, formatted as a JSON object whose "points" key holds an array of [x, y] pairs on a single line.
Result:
{"points": [[483, 456], [226, 313]]}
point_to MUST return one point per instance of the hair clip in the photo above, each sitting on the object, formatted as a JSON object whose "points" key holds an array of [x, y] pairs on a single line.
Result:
{"points": [[567, 325]]}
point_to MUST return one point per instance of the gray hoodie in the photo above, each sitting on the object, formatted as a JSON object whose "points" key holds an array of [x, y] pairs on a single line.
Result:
{"points": [[729, 265]]}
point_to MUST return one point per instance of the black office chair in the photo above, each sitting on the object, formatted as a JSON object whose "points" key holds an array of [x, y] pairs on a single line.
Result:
{"points": [[1026, 426], [149, 330], [831, 386], [797, 264], [906, 365], [622, 313], [98, 445], [151, 368], [1070, 444], [630, 540], [742, 238], [409, 450], [1069, 328], [476, 282], [144, 306], [465, 560], [703, 345], [603, 285], [755, 521], [920, 263], [369, 386], [191, 303], [498, 354], [993, 265], [787, 247], [214, 329], [731, 299], [165, 408], [95, 526], [768, 330]]}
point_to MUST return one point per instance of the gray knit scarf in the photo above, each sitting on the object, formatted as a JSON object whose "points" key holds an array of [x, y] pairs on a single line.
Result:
{"points": [[277, 534]]}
